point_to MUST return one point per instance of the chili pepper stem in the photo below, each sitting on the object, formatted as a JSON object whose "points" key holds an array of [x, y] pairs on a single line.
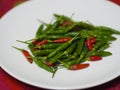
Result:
{"points": [[30, 40], [65, 64], [74, 37], [17, 48], [23, 41], [43, 22], [54, 72]]}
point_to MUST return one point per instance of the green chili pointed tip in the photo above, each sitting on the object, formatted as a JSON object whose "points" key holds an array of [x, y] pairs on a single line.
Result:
{"points": [[17, 48], [26, 42]]}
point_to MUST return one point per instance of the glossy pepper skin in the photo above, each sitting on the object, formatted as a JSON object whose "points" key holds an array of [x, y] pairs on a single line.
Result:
{"points": [[41, 43], [80, 45], [79, 66], [62, 47], [61, 40], [39, 31], [95, 58], [90, 43], [66, 52], [26, 54], [42, 65]]}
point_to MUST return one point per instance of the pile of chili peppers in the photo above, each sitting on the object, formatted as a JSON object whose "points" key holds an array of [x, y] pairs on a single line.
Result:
{"points": [[69, 44]]}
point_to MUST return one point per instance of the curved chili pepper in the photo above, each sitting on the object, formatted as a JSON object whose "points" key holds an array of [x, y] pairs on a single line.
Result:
{"points": [[41, 64], [80, 45], [39, 31], [99, 44], [61, 40], [82, 55], [42, 52], [108, 29], [79, 66], [42, 42], [50, 46], [56, 36], [26, 54], [66, 52]]}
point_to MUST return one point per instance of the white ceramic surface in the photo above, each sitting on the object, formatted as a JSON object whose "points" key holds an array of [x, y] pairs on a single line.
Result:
{"points": [[22, 22]]}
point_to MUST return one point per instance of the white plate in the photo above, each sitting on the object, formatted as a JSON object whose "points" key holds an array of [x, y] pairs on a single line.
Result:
{"points": [[22, 22]]}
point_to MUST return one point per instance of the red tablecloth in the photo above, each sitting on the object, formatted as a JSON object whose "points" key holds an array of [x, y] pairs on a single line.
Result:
{"points": [[9, 83]]}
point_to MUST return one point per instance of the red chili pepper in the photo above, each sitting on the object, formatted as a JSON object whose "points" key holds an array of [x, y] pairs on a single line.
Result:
{"points": [[42, 42], [26, 54], [66, 23], [92, 40], [35, 42], [61, 40], [79, 66], [95, 58], [90, 43], [49, 63]]}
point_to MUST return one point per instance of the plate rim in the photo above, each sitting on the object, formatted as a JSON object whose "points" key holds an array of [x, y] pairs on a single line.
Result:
{"points": [[18, 78]]}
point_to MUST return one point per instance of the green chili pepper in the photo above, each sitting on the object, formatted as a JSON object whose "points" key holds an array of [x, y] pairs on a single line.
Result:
{"points": [[43, 65], [50, 46], [66, 52], [51, 37], [42, 52], [42, 36], [105, 46], [109, 38], [48, 27], [72, 61], [63, 17], [70, 49], [85, 25], [57, 22], [61, 30], [99, 44], [79, 48], [102, 53], [98, 33], [104, 28], [72, 33], [56, 57], [58, 49], [31, 47], [39, 31], [57, 31], [61, 47], [65, 64], [82, 55], [55, 70]]}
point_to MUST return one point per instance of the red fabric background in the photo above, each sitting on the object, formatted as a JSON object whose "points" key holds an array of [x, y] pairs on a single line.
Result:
{"points": [[9, 83]]}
